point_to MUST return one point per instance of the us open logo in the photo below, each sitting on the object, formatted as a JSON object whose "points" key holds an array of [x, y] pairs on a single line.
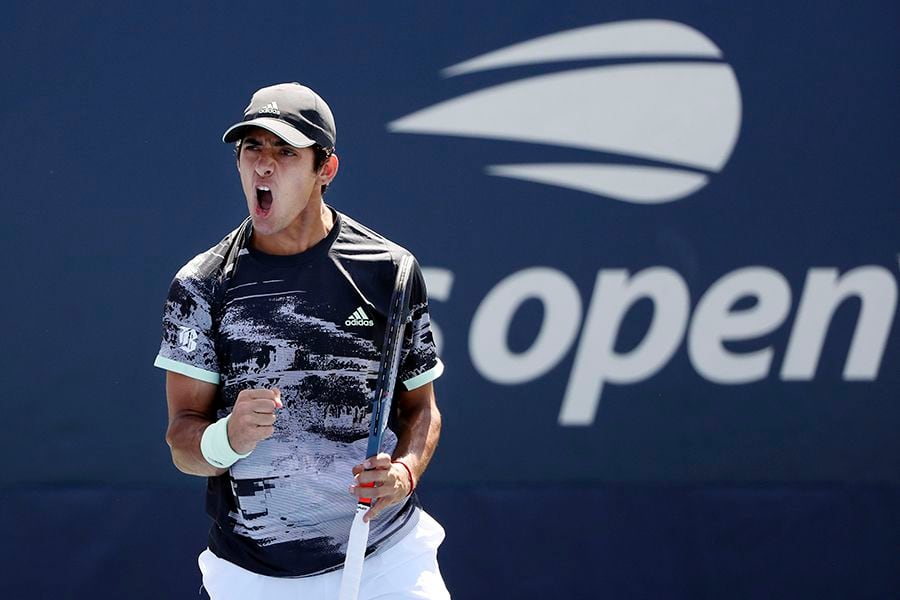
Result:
{"points": [[662, 111], [677, 121]]}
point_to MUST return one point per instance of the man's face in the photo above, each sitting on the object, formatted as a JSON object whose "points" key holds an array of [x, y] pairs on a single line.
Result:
{"points": [[278, 180]]}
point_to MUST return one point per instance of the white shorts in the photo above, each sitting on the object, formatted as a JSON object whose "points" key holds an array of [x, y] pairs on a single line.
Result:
{"points": [[408, 569]]}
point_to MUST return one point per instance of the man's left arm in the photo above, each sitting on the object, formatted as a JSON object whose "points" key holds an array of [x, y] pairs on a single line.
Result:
{"points": [[418, 428]]}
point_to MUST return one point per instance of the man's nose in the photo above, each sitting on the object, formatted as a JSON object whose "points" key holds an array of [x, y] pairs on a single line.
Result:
{"points": [[265, 165]]}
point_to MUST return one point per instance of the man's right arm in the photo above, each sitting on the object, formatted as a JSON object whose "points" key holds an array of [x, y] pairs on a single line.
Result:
{"points": [[192, 410]]}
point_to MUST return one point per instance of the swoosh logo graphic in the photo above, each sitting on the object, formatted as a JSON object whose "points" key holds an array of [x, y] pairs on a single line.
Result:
{"points": [[684, 114], [625, 39], [629, 183]]}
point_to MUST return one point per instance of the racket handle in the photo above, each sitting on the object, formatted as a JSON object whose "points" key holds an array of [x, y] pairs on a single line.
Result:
{"points": [[356, 554]]}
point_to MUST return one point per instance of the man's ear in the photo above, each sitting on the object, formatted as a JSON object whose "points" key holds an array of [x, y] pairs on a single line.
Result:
{"points": [[329, 169]]}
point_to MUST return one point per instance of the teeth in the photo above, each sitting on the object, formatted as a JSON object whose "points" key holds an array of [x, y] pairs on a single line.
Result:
{"points": [[263, 188]]}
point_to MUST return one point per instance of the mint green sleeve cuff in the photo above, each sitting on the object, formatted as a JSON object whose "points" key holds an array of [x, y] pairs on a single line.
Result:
{"points": [[426, 377], [189, 370]]}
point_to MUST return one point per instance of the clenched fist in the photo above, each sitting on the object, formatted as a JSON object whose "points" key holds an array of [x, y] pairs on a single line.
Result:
{"points": [[253, 418]]}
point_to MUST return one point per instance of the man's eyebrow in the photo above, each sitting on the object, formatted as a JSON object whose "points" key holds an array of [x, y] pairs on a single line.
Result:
{"points": [[252, 140]]}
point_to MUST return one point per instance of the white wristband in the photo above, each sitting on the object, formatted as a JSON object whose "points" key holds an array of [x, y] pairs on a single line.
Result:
{"points": [[215, 447]]}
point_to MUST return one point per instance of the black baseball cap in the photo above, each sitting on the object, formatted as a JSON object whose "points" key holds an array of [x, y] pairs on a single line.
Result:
{"points": [[291, 111]]}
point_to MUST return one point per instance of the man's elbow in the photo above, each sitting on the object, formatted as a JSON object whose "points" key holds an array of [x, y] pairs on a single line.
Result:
{"points": [[178, 458], [174, 434], [181, 457], [435, 419]]}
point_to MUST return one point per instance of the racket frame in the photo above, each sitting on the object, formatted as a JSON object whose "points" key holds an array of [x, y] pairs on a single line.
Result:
{"points": [[398, 312]]}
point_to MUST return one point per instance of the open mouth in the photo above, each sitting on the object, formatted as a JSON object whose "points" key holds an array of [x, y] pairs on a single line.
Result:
{"points": [[263, 199]]}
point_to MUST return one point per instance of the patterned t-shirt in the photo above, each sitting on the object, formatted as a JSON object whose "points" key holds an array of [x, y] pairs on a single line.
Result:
{"points": [[311, 325]]}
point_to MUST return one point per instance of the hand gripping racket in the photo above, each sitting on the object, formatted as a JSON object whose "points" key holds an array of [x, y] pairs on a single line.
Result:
{"points": [[381, 409]]}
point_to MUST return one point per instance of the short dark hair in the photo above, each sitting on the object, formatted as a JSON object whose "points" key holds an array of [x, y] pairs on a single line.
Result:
{"points": [[320, 157]]}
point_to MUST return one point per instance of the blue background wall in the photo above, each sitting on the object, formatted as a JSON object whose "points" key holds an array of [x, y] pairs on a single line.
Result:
{"points": [[678, 487]]}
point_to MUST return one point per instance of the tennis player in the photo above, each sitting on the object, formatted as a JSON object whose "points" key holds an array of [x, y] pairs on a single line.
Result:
{"points": [[271, 340]]}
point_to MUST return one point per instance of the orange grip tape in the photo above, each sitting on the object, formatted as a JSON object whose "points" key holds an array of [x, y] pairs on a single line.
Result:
{"points": [[367, 501]]}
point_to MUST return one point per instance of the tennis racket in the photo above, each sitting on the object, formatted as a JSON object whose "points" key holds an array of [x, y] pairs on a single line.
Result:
{"points": [[381, 409]]}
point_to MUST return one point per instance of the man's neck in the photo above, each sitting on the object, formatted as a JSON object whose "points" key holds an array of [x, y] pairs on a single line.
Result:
{"points": [[310, 228]]}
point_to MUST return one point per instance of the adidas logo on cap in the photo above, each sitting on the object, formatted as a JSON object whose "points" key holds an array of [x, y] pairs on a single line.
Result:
{"points": [[270, 109], [359, 318]]}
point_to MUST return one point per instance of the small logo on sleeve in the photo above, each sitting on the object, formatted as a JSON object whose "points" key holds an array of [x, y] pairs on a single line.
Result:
{"points": [[359, 318], [187, 339]]}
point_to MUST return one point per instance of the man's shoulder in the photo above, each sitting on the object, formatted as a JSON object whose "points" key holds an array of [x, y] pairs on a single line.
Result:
{"points": [[369, 259], [212, 262], [360, 242]]}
